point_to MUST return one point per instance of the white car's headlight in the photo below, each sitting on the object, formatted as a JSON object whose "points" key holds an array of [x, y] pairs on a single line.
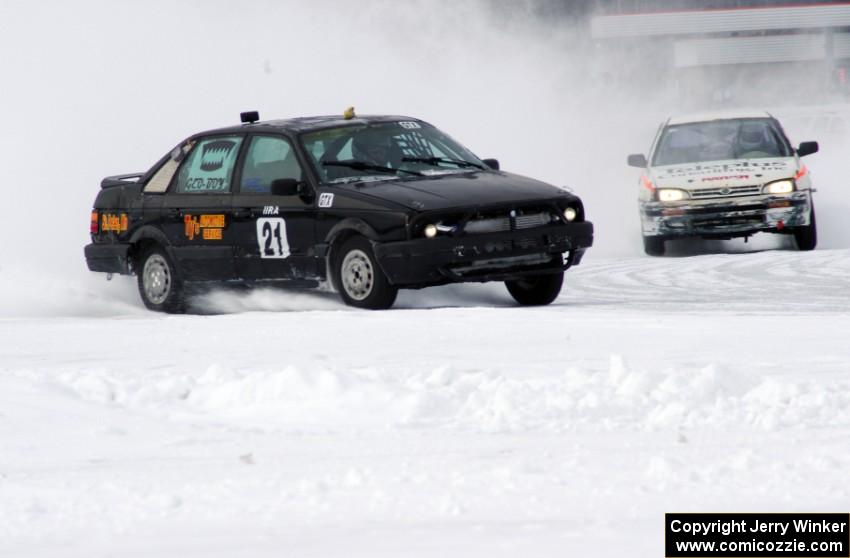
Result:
{"points": [[779, 187], [671, 194]]}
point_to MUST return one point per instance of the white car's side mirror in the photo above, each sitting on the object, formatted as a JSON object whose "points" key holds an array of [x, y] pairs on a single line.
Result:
{"points": [[807, 148], [637, 160]]}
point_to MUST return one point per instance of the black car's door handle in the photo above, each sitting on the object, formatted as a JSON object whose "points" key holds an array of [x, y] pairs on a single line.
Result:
{"points": [[173, 212], [243, 212]]}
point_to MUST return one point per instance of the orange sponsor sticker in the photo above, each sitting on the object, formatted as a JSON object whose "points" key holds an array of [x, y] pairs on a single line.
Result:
{"points": [[114, 222], [208, 227]]}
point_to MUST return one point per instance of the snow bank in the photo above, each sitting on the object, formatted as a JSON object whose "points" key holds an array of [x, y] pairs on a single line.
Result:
{"points": [[619, 398]]}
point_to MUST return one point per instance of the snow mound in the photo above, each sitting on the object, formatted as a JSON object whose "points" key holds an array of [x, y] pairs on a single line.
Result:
{"points": [[607, 399]]}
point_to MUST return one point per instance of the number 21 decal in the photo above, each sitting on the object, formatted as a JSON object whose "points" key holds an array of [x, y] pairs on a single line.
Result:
{"points": [[271, 237]]}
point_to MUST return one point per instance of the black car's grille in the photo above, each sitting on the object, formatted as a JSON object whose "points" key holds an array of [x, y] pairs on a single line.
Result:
{"points": [[491, 225], [502, 223]]}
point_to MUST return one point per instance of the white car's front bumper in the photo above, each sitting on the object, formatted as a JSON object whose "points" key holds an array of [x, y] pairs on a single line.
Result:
{"points": [[723, 218]]}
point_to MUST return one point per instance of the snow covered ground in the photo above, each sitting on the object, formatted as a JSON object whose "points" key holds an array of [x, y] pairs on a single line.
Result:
{"points": [[456, 424], [285, 424]]}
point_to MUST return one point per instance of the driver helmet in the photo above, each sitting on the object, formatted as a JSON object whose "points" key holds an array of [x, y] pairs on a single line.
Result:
{"points": [[752, 137], [374, 147]]}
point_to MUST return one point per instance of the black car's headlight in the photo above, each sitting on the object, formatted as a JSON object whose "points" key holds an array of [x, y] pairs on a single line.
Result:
{"points": [[571, 212], [430, 230]]}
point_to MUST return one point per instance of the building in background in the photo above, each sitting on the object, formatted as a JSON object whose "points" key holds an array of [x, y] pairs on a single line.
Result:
{"points": [[725, 53]]}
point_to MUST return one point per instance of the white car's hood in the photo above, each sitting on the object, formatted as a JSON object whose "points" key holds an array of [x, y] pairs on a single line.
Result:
{"points": [[723, 174]]}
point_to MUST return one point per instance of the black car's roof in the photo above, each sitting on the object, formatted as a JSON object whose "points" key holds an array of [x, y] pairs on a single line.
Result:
{"points": [[307, 123]]}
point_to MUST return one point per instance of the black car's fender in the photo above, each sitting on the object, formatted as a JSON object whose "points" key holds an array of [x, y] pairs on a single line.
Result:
{"points": [[340, 232], [148, 234], [353, 224], [356, 226]]}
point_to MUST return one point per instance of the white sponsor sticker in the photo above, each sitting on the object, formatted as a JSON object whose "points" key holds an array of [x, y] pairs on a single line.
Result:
{"points": [[326, 200], [409, 125], [271, 237]]}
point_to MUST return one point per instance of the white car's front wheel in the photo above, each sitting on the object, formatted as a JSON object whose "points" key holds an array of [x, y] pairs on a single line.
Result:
{"points": [[806, 237], [653, 245]]}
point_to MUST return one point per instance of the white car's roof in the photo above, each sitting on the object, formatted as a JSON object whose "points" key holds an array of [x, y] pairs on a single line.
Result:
{"points": [[725, 115]]}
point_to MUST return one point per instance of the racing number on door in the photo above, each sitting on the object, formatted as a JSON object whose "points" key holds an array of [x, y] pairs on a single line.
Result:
{"points": [[271, 238]]}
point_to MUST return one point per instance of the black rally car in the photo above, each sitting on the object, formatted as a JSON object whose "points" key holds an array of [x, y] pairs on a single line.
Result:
{"points": [[373, 203]]}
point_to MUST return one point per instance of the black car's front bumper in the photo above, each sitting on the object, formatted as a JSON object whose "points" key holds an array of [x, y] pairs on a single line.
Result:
{"points": [[726, 218], [484, 257]]}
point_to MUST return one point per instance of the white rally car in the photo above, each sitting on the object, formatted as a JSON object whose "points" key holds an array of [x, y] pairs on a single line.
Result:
{"points": [[724, 176]]}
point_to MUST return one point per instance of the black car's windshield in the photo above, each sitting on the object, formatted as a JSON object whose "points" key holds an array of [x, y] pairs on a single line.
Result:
{"points": [[696, 142], [361, 152]]}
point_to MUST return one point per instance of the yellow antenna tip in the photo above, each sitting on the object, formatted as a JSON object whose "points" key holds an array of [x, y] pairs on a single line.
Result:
{"points": [[349, 113]]}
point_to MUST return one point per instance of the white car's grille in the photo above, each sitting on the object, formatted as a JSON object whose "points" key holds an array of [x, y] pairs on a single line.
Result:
{"points": [[724, 192]]}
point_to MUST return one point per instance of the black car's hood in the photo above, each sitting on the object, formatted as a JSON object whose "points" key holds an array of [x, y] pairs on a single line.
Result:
{"points": [[461, 190]]}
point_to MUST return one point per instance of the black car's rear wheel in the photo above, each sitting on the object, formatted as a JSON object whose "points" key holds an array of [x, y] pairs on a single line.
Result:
{"points": [[807, 237], [653, 245], [159, 282], [359, 279], [537, 290]]}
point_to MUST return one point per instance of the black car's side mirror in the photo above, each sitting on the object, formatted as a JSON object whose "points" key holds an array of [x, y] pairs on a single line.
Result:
{"points": [[807, 148], [285, 187], [492, 163], [637, 160]]}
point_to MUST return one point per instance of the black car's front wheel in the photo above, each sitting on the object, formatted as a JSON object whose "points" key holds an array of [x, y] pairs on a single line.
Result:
{"points": [[359, 279], [537, 290], [159, 283]]}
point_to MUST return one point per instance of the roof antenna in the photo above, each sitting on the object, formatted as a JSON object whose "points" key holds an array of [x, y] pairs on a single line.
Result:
{"points": [[249, 117]]}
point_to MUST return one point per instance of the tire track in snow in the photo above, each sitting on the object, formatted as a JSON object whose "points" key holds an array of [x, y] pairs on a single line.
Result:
{"points": [[769, 281]]}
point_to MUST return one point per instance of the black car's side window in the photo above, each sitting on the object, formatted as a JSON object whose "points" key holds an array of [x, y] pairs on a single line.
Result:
{"points": [[209, 166], [268, 158]]}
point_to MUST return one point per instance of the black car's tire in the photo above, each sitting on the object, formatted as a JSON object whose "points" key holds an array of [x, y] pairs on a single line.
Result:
{"points": [[537, 290], [358, 277], [807, 237], [653, 245], [159, 282]]}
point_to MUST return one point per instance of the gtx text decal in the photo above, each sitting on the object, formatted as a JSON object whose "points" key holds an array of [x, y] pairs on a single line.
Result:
{"points": [[326, 200]]}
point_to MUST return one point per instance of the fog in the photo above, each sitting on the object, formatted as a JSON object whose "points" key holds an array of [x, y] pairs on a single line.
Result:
{"points": [[91, 89]]}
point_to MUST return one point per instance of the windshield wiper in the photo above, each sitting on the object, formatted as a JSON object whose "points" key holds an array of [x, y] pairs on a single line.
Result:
{"points": [[436, 161], [363, 165]]}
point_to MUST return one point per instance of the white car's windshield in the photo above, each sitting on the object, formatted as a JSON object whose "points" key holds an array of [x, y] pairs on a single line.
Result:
{"points": [[387, 149], [717, 140]]}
